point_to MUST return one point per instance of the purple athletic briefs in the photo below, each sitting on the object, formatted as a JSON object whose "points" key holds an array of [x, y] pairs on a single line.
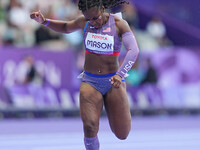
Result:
{"points": [[101, 83]]}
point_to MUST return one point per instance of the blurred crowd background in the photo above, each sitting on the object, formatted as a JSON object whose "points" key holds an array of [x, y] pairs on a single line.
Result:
{"points": [[39, 67]]}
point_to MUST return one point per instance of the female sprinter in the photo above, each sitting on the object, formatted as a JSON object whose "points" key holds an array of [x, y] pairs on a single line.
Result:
{"points": [[103, 80]]}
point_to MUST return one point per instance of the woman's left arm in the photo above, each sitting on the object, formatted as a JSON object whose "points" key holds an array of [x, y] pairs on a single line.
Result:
{"points": [[130, 44]]}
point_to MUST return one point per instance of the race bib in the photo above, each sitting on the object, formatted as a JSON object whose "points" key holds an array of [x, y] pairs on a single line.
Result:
{"points": [[98, 42]]}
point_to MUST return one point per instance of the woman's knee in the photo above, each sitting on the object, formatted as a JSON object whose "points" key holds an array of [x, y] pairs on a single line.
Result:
{"points": [[91, 127], [122, 131], [122, 134]]}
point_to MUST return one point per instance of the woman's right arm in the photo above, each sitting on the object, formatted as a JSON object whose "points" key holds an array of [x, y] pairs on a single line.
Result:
{"points": [[58, 25]]}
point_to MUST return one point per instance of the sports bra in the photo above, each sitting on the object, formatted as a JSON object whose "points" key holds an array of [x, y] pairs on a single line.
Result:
{"points": [[104, 40]]}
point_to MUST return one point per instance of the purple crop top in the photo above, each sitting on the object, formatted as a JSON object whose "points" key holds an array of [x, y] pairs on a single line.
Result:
{"points": [[103, 41]]}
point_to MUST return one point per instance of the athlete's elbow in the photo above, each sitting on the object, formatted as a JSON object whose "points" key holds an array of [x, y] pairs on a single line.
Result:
{"points": [[137, 51]]}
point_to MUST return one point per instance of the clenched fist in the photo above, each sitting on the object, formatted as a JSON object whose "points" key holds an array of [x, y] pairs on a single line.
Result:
{"points": [[116, 81], [37, 16]]}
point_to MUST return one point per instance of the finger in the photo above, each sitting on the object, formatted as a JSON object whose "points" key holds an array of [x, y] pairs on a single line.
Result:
{"points": [[111, 81], [32, 15], [38, 14], [116, 85], [114, 82]]}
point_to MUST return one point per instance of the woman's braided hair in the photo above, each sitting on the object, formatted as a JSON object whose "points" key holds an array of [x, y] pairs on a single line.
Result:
{"points": [[87, 4]]}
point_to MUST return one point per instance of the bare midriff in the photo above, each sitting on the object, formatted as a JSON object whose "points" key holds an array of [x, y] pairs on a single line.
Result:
{"points": [[101, 64]]}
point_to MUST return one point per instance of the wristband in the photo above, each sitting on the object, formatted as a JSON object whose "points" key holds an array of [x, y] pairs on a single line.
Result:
{"points": [[46, 22]]}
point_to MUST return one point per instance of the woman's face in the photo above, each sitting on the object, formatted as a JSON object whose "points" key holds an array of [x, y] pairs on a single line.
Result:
{"points": [[95, 16]]}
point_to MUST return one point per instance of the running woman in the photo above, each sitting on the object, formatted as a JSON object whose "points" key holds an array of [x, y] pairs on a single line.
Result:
{"points": [[103, 81]]}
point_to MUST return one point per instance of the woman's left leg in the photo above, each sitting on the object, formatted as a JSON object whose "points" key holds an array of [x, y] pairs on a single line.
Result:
{"points": [[118, 111]]}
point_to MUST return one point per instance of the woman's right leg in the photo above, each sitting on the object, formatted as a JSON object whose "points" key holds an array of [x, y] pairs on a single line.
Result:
{"points": [[91, 104]]}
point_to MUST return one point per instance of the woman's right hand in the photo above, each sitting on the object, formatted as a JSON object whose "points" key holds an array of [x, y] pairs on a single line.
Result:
{"points": [[37, 16]]}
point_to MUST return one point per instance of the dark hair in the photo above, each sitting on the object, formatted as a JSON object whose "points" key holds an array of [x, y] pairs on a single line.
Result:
{"points": [[87, 4]]}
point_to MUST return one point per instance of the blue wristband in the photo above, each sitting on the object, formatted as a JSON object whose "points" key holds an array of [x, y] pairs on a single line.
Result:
{"points": [[47, 23]]}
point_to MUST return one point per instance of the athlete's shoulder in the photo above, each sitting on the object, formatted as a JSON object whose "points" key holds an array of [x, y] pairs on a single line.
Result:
{"points": [[119, 20], [122, 25]]}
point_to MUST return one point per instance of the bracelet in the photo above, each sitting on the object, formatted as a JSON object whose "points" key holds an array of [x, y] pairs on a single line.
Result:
{"points": [[46, 22]]}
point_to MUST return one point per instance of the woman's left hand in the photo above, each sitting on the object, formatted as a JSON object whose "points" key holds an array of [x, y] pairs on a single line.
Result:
{"points": [[116, 80]]}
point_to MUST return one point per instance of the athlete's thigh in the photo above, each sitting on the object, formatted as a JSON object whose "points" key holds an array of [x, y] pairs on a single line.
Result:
{"points": [[117, 108], [91, 102]]}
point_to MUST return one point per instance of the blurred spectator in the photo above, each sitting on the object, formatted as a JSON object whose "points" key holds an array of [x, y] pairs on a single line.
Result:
{"points": [[156, 28], [18, 15], [32, 74], [2, 13], [130, 15], [145, 41], [28, 73], [66, 10], [149, 85], [18, 28], [45, 37], [150, 74], [31, 84], [75, 40], [42, 35]]}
